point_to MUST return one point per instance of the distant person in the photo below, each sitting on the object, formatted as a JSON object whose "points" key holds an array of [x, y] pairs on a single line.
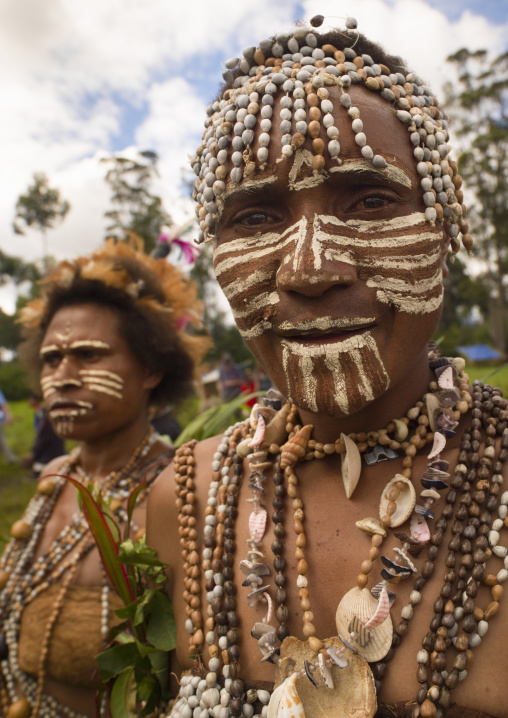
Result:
{"points": [[5, 418], [249, 386], [165, 423], [231, 378], [47, 445]]}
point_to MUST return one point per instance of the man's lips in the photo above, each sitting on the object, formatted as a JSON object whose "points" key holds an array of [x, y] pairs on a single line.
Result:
{"points": [[324, 328]]}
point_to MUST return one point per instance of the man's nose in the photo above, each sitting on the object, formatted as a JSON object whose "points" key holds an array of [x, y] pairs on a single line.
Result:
{"points": [[305, 268]]}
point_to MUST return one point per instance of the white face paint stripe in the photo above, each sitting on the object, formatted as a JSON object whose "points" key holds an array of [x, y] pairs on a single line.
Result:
{"points": [[399, 262], [256, 331], [327, 323], [104, 390], [264, 300], [102, 372], [233, 289], [364, 167], [102, 382], [378, 225], [259, 241], [92, 343], [246, 188]]}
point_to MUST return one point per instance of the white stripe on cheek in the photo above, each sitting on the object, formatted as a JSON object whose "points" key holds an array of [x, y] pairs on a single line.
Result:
{"points": [[264, 300], [233, 289]]}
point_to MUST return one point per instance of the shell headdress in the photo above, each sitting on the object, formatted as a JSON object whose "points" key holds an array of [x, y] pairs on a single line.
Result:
{"points": [[292, 73]]}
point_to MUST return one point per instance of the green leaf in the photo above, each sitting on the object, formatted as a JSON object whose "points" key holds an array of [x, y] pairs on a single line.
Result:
{"points": [[160, 668], [108, 549], [114, 660], [131, 503], [123, 696], [138, 554], [146, 687], [161, 629]]}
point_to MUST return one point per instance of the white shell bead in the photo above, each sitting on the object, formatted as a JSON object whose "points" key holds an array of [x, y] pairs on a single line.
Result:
{"points": [[326, 106], [332, 133], [504, 499], [367, 152], [500, 551], [328, 120], [415, 597], [287, 151], [483, 627], [422, 656], [262, 154], [361, 139], [334, 148], [502, 511], [494, 537], [502, 575], [474, 640]]}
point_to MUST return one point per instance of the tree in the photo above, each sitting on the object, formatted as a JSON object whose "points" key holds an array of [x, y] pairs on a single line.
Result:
{"points": [[14, 269], [136, 208], [480, 99], [42, 208]]}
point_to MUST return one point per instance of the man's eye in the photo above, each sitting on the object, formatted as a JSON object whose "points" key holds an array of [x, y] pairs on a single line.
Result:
{"points": [[374, 202], [87, 354], [255, 218]]}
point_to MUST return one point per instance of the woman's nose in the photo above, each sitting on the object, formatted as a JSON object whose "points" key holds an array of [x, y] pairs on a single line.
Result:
{"points": [[307, 270]]}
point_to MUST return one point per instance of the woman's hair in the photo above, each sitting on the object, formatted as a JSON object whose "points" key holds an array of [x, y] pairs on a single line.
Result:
{"points": [[154, 303]]}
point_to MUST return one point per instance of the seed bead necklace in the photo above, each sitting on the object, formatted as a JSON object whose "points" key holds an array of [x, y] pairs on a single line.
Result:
{"points": [[22, 579], [220, 519]]}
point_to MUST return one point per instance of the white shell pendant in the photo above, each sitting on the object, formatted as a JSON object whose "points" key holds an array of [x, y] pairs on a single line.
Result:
{"points": [[361, 603], [351, 465], [405, 502], [353, 692], [285, 702]]}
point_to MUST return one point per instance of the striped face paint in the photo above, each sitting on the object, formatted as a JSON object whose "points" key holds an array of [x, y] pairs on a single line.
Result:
{"points": [[400, 258], [351, 370]]}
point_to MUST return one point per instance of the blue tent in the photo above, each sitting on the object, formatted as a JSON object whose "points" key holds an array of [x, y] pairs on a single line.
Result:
{"points": [[480, 352]]}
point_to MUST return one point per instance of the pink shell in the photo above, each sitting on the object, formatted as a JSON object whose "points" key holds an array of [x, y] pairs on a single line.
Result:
{"points": [[259, 434], [382, 611], [419, 529], [438, 445], [257, 524], [445, 380]]}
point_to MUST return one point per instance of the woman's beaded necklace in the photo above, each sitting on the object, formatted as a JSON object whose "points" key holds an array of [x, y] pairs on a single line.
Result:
{"points": [[22, 579], [219, 543]]}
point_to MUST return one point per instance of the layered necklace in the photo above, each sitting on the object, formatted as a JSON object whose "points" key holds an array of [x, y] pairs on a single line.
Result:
{"points": [[23, 578], [342, 675]]}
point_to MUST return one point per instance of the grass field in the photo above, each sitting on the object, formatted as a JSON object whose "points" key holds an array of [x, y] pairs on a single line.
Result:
{"points": [[16, 483]]}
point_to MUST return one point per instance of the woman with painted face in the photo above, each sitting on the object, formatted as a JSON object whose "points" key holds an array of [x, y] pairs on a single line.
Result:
{"points": [[353, 529], [108, 339]]}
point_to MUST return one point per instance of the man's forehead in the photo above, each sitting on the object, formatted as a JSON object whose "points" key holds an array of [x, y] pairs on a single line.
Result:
{"points": [[294, 178]]}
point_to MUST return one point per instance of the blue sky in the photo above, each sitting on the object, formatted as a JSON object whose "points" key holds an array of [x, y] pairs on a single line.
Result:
{"points": [[82, 80]]}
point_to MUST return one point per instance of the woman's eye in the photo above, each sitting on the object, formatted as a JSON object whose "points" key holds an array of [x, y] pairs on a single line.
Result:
{"points": [[52, 359]]}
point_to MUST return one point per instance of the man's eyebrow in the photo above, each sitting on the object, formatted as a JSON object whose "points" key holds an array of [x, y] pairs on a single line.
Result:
{"points": [[243, 191], [363, 169]]}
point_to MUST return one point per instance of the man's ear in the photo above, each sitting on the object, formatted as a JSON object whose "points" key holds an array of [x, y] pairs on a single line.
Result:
{"points": [[445, 245], [151, 380]]}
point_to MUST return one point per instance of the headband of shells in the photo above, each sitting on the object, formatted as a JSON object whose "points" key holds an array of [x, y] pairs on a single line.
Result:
{"points": [[298, 69]]}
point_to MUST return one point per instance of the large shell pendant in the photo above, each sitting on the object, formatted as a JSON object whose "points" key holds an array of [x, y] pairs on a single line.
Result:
{"points": [[362, 604], [405, 502], [353, 692], [351, 465]]}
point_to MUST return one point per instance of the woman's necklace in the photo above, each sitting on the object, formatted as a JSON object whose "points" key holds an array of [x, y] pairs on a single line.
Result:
{"points": [[365, 629], [23, 579]]}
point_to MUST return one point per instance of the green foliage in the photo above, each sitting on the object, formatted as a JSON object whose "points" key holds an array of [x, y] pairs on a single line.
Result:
{"points": [[215, 420], [479, 102], [15, 269], [136, 666], [14, 380], [41, 208], [136, 208]]}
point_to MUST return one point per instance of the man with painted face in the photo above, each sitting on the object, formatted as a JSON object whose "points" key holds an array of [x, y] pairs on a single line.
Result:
{"points": [[354, 527]]}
